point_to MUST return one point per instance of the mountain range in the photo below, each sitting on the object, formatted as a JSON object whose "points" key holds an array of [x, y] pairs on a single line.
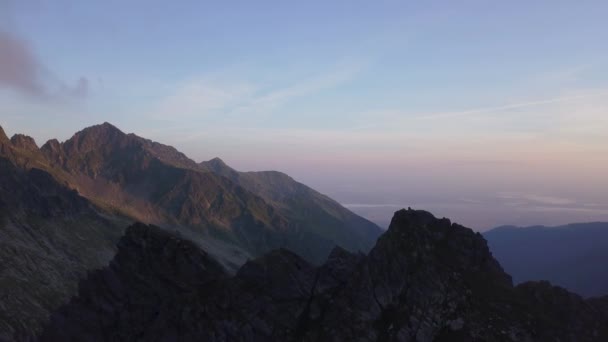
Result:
{"points": [[65, 205], [572, 256], [113, 237]]}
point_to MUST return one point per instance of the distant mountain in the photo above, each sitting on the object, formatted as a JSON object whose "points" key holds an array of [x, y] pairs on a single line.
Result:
{"points": [[312, 210], [64, 206], [425, 280], [157, 184], [573, 256]]}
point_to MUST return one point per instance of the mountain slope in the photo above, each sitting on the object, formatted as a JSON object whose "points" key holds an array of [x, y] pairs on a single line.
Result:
{"points": [[572, 256], [154, 183], [425, 280], [312, 210], [64, 206], [49, 238], [130, 176]]}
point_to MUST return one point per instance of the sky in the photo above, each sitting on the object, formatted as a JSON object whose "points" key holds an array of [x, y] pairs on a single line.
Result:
{"points": [[487, 112]]}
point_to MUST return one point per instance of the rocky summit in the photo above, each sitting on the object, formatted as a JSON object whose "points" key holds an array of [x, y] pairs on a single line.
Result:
{"points": [[426, 279]]}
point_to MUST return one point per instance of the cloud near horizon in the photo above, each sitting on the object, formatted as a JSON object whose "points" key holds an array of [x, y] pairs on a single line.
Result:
{"points": [[22, 72]]}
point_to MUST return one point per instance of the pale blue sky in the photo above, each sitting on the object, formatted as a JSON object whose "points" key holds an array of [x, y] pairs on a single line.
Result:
{"points": [[446, 104]]}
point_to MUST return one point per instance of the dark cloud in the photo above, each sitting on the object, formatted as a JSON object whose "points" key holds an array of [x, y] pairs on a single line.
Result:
{"points": [[22, 71], [19, 69]]}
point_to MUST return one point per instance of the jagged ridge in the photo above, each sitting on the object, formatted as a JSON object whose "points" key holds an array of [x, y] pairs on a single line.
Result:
{"points": [[426, 280]]}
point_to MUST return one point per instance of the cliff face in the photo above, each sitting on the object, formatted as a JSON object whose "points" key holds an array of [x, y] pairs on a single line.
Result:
{"points": [[425, 280]]}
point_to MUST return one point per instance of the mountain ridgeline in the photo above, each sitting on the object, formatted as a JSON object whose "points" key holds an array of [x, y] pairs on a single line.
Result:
{"points": [[213, 254], [425, 280], [155, 183], [64, 206], [314, 211]]}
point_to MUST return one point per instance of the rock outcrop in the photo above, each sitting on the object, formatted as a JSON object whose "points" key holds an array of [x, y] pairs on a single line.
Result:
{"points": [[24, 142], [425, 280]]}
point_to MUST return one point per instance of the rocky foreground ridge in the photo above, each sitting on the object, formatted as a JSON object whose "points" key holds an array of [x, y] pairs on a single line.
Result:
{"points": [[426, 279]]}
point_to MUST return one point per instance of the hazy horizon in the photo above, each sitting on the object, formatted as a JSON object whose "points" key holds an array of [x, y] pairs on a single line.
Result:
{"points": [[482, 112]]}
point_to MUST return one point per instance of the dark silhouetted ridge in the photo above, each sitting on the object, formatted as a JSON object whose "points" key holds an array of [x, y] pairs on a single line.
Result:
{"points": [[426, 279]]}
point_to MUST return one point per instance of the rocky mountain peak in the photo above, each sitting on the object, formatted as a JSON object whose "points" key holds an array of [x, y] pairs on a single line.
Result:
{"points": [[218, 166], [51, 147], [217, 161], [104, 129], [420, 238], [410, 219], [24, 142], [92, 137], [419, 228], [53, 152], [107, 126]]}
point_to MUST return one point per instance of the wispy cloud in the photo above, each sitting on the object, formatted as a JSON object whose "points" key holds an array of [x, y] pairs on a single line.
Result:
{"points": [[570, 209], [272, 99], [373, 119], [507, 107], [573, 125], [202, 98], [546, 203], [535, 198], [241, 99]]}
